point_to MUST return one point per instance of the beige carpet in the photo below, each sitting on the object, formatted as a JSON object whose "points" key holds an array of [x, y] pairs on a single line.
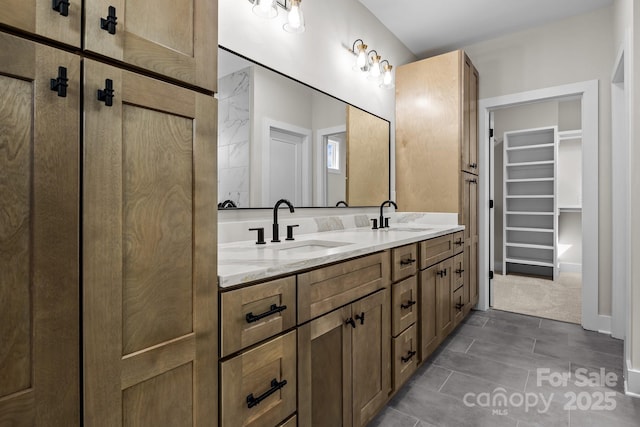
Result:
{"points": [[558, 300]]}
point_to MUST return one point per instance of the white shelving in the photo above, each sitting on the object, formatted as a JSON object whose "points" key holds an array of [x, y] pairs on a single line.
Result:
{"points": [[530, 198]]}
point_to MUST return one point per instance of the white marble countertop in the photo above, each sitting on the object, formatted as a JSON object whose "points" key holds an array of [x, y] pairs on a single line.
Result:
{"points": [[245, 261]]}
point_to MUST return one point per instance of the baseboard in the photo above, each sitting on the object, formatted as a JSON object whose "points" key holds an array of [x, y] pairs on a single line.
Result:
{"points": [[570, 267], [604, 324], [632, 381]]}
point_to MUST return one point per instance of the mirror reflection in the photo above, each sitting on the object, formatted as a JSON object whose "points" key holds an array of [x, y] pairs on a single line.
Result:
{"points": [[278, 138]]}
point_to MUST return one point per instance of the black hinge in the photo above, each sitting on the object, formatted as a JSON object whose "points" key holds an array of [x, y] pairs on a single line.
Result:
{"points": [[490, 204], [490, 133], [490, 275]]}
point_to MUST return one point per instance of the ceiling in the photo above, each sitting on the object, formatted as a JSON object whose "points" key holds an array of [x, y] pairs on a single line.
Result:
{"points": [[429, 27]]}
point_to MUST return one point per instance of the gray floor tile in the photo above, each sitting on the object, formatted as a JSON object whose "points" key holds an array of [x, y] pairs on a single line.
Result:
{"points": [[431, 379], [534, 408], [457, 342], [560, 326], [490, 370], [528, 330], [514, 357], [476, 318], [515, 318], [579, 355], [390, 417], [605, 379], [500, 338], [598, 419], [597, 342], [445, 411]]}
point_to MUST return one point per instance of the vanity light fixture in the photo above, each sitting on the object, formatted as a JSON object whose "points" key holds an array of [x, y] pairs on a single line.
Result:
{"points": [[295, 19], [268, 9], [361, 54], [387, 79], [374, 64]]}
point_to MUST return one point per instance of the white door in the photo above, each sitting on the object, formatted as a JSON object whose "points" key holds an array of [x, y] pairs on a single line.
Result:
{"points": [[285, 167]]}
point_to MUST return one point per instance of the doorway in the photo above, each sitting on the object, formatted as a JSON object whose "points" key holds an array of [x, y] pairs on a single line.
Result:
{"points": [[588, 93], [331, 166]]}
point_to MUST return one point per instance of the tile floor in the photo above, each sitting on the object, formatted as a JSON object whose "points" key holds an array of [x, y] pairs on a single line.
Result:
{"points": [[506, 369]]}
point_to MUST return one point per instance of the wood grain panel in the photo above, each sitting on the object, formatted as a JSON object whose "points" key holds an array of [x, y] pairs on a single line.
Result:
{"points": [[435, 250], [166, 400], [237, 333], [157, 229], [428, 329], [445, 312], [19, 410], [327, 288], [367, 141], [428, 132], [16, 121], [404, 262], [371, 357], [405, 361], [167, 28]]}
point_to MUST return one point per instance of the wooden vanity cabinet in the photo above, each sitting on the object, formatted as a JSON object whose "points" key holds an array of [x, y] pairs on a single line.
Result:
{"points": [[344, 364]]}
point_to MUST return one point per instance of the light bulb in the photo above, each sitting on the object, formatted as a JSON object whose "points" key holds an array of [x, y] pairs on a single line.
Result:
{"points": [[374, 71], [387, 77], [361, 61], [387, 80], [295, 20], [265, 9]]}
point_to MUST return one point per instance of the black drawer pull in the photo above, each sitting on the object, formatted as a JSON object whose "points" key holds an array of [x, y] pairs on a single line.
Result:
{"points": [[360, 317], [459, 271], [459, 242], [407, 261], [460, 305], [61, 6], [408, 357], [275, 386], [442, 273], [274, 309], [60, 83], [407, 305], [351, 322], [109, 23], [106, 95]]}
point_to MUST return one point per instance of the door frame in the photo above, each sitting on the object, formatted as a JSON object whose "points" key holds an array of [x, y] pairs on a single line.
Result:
{"points": [[321, 163], [588, 91], [305, 135]]}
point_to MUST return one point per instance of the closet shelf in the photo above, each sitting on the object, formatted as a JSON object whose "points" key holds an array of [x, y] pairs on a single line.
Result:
{"points": [[530, 261], [530, 147], [530, 229], [533, 196], [528, 213], [528, 246], [569, 134], [529, 180], [538, 163]]}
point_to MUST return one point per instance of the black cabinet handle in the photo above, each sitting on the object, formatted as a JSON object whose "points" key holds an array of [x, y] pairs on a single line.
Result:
{"points": [[407, 305], [61, 6], [442, 273], [274, 309], [275, 386], [460, 271], [106, 95], [60, 84], [360, 317], [351, 322], [407, 261], [459, 242], [109, 23], [460, 305], [408, 357], [472, 181], [473, 165]]}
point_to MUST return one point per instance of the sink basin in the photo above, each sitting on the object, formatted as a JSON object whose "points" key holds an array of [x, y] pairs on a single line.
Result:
{"points": [[308, 246]]}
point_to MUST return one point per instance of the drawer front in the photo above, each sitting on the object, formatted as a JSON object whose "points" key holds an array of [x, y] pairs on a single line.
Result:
{"points": [[458, 271], [255, 313], [405, 356], [325, 289], [404, 301], [404, 262], [258, 388], [458, 304], [458, 242], [291, 422], [433, 251]]}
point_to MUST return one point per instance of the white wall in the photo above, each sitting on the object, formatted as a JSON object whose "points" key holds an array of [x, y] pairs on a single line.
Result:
{"points": [[319, 56], [568, 51]]}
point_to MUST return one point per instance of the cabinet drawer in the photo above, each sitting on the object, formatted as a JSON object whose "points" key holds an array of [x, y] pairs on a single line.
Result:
{"points": [[433, 251], [404, 300], [458, 305], [327, 288], [404, 262], [458, 270], [258, 388], [458, 242], [291, 422], [252, 314], [405, 356]]}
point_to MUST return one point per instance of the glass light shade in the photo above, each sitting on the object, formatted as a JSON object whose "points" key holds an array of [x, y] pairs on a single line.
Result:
{"points": [[295, 19], [361, 61], [265, 9], [387, 79], [374, 69]]}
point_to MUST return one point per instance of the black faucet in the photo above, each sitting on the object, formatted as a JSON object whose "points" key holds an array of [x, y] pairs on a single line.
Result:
{"points": [[386, 202], [342, 202], [276, 237]]}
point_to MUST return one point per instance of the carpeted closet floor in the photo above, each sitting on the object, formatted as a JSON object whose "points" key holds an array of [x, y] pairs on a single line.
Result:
{"points": [[558, 300]]}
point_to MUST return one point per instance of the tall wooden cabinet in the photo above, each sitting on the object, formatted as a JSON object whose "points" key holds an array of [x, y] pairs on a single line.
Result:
{"points": [[39, 236], [437, 145], [131, 176]]}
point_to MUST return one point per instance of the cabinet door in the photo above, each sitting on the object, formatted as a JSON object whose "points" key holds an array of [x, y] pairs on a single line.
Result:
{"points": [[149, 252], [39, 17], [370, 356], [324, 371], [39, 232], [444, 294], [174, 39], [471, 273], [469, 204], [469, 149], [428, 315]]}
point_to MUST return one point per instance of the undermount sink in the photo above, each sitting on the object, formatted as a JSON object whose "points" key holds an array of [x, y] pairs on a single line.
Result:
{"points": [[307, 246]]}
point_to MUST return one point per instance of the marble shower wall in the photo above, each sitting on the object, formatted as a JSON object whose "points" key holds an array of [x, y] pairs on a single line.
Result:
{"points": [[234, 134]]}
